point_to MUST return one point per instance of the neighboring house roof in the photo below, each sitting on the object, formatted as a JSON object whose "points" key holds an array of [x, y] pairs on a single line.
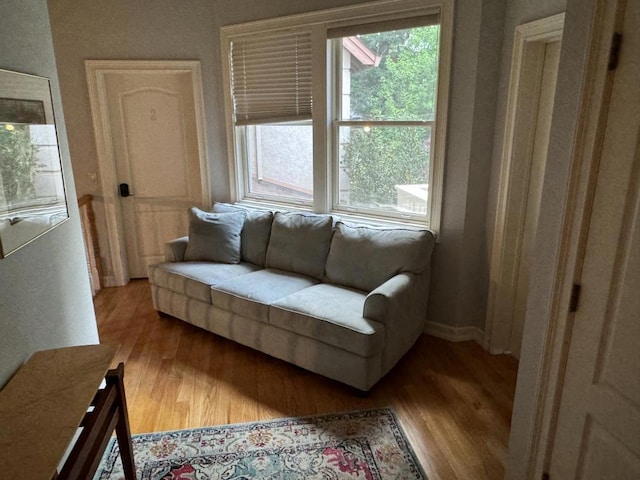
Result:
{"points": [[361, 52]]}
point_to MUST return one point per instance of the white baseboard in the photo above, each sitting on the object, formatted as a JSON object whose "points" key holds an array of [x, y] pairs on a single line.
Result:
{"points": [[455, 334]]}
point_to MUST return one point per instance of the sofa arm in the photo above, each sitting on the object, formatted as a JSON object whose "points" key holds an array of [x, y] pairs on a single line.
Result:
{"points": [[400, 304], [401, 300], [174, 250]]}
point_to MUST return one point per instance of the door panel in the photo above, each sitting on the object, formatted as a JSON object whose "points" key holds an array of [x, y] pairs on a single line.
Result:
{"points": [[598, 430], [607, 458], [155, 146], [154, 130], [153, 223]]}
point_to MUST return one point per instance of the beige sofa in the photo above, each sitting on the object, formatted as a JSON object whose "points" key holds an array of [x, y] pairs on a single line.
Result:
{"points": [[344, 301]]}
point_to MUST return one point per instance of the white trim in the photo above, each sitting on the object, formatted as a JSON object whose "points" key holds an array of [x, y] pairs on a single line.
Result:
{"points": [[517, 151], [544, 385], [320, 21], [236, 190], [436, 175], [454, 334], [95, 73], [320, 122], [337, 17]]}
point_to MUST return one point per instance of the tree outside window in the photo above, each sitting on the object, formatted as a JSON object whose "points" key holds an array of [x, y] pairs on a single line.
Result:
{"points": [[18, 163], [379, 158]]}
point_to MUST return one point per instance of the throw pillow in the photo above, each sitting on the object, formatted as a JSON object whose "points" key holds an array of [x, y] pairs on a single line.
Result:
{"points": [[364, 257], [255, 233], [299, 243], [214, 237]]}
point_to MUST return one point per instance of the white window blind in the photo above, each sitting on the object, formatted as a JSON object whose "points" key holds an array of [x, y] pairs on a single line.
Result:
{"points": [[271, 77]]}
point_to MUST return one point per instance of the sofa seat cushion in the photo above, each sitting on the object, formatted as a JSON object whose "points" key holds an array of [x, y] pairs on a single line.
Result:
{"points": [[250, 295], [332, 315], [194, 279]]}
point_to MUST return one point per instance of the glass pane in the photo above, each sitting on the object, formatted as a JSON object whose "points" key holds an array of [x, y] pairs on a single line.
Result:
{"points": [[385, 168], [390, 75], [280, 161]]}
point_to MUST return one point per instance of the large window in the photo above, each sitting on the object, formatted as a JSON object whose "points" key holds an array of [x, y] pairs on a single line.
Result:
{"points": [[342, 111], [386, 85]]}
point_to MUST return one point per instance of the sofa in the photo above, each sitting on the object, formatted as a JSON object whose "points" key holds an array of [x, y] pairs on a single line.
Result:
{"points": [[343, 301]]}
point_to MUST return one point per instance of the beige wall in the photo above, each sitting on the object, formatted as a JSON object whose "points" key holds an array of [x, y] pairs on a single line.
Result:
{"points": [[45, 300], [165, 30], [122, 29], [458, 291]]}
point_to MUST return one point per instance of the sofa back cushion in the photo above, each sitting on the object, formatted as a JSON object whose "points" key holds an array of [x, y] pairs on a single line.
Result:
{"points": [[365, 257], [214, 237], [255, 233], [299, 243]]}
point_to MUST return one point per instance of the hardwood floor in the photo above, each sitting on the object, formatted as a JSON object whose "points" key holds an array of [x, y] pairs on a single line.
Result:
{"points": [[453, 399]]}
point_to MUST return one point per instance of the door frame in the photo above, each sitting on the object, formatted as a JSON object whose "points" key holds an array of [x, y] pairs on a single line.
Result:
{"points": [[542, 367], [517, 152], [95, 72]]}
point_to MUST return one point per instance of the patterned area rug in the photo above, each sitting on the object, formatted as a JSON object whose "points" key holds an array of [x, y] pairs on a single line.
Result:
{"points": [[364, 445]]}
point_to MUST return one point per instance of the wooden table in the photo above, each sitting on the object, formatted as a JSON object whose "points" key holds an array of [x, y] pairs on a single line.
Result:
{"points": [[46, 401]]}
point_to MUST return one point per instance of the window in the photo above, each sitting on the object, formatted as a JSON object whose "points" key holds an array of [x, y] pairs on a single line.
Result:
{"points": [[386, 87], [271, 91], [278, 159], [342, 111]]}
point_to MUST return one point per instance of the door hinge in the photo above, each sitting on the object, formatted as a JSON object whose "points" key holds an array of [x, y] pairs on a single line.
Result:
{"points": [[575, 297], [614, 53]]}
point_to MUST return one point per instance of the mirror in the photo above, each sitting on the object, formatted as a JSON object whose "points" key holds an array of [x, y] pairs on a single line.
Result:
{"points": [[32, 193]]}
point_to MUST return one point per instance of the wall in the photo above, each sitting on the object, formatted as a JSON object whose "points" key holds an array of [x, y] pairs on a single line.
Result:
{"points": [[121, 29], [517, 13], [169, 30], [460, 263], [45, 300]]}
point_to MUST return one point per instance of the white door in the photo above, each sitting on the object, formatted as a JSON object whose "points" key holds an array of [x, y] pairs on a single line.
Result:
{"points": [[598, 428], [152, 121], [549, 74]]}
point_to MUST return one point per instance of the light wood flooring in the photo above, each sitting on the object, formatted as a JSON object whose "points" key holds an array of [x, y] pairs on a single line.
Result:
{"points": [[453, 400]]}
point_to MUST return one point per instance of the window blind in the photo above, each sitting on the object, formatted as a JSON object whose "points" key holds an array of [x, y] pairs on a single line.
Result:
{"points": [[271, 78]]}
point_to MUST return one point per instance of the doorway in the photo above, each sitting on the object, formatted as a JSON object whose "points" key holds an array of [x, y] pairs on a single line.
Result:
{"points": [[531, 96], [149, 126]]}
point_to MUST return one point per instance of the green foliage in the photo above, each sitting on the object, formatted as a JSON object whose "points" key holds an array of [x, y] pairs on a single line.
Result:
{"points": [[18, 163], [380, 159], [366, 100], [402, 87]]}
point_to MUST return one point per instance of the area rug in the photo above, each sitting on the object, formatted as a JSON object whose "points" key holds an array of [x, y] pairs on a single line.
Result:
{"points": [[364, 445]]}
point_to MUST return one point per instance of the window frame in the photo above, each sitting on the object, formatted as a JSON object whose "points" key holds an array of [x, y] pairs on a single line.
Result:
{"points": [[325, 160], [245, 177], [337, 109]]}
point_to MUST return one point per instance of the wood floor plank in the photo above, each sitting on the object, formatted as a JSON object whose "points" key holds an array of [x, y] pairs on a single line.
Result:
{"points": [[453, 400]]}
